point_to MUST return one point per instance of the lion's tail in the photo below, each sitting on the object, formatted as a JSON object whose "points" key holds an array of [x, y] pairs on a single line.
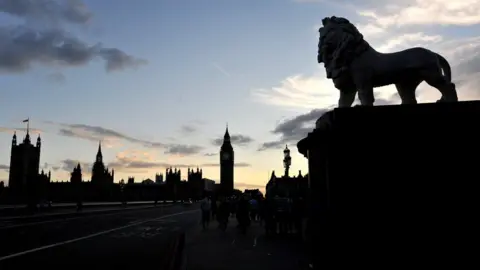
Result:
{"points": [[447, 71]]}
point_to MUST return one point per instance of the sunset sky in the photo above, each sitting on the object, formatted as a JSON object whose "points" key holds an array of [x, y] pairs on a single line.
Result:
{"points": [[157, 80]]}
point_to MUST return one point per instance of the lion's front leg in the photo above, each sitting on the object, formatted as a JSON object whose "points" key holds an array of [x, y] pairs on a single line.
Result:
{"points": [[346, 98], [365, 94], [363, 81]]}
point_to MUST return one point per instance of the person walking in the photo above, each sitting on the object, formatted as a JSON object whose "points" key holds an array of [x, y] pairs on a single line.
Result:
{"points": [[223, 214], [205, 207], [243, 216]]}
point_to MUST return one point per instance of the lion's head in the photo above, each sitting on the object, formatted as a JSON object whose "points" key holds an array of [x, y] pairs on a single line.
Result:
{"points": [[340, 42]]}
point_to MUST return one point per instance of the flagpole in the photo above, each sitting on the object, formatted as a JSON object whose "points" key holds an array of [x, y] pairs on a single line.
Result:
{"points": [[28, 124]]}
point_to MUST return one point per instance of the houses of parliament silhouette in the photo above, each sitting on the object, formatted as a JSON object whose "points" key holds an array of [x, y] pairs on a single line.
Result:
{"points": [[27, 184]]}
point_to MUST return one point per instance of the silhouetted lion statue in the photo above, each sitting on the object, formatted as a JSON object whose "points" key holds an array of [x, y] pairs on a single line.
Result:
{"points": [[354, 65]]}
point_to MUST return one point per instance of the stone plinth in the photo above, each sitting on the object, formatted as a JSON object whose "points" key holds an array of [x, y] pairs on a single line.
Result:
{"points": [[395, 185]]}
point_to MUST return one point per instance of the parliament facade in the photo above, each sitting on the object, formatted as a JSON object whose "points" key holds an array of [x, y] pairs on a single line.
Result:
{"points": [[27, 184]]}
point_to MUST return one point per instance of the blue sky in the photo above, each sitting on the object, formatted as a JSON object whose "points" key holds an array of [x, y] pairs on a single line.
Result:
{"points": [[179, 70]]}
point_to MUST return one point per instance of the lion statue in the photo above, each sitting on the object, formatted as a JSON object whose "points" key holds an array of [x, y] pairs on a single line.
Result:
{"points": [[354, 66]]}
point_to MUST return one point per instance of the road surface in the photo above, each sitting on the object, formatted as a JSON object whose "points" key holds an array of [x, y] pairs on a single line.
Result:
{"points": [[120, 240], [231, 250]]}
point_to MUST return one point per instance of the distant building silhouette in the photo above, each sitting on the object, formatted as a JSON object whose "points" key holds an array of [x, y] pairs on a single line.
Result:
{"points": [[76, 175], [148, 181], [286, 185], [173, 176], [131, 180], [100, 174], [196, 183], [208, 185], [28, 185], [159, 178], [24, 179], [226, 165]]}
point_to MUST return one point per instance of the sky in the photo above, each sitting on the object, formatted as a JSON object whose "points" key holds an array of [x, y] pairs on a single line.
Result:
{"points": [[158, 80]]}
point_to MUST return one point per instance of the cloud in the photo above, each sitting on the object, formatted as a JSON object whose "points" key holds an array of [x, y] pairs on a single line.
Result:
{"points": [[56, 77], [4, 167], [409, 40], [210, 154], [137, 161], [71, 11], [188, 129], [299, 91], [294, 129], [236, 164], [116, 59], [97, 133], [69, 164], [242, 185], [12, 130], [183, 149], [47, 43], [21, 47], [237, 139], [50, 167], [394, 14]]}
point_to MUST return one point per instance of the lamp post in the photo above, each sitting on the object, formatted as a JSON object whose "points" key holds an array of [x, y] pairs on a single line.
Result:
{"points": [[287, 160], [122, 194]]}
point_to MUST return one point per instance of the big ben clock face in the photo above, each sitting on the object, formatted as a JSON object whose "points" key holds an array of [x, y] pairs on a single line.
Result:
{"points": [[226, 156]]}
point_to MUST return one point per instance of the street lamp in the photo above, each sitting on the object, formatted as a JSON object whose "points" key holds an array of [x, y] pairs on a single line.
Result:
{"points": [[122, 194], [287, 160]]}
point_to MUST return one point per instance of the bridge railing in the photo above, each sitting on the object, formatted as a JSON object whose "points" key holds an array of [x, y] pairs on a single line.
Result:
{"points": [[85, 204]]}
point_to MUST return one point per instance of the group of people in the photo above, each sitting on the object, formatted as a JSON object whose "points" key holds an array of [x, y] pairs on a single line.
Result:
{"points": [[279, 215]]}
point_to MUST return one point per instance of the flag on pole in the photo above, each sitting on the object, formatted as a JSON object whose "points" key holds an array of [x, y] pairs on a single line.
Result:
{"points": [[26, 120]]}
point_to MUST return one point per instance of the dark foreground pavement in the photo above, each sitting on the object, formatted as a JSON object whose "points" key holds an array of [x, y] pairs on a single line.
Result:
{"points": [[134, 239], [140, 239], [213, 249]]}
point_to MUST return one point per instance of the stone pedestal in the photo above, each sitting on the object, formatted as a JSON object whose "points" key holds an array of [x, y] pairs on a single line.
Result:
{"points": [[394, 185]]}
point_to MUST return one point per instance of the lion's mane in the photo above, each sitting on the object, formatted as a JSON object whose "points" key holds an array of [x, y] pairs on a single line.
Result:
{"points": [[340, 42]]}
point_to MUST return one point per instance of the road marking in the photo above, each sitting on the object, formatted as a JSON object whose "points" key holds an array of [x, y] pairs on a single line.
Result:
{"points": [[90, 236], [117, 212]]}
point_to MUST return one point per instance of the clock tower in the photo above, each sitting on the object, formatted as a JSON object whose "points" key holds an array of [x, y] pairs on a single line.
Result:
{"points": [[226, 165]]}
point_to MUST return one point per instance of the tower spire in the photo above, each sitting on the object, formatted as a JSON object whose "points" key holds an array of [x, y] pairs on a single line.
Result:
{"points": [[226, 137], [27, 137], [99, 152]]}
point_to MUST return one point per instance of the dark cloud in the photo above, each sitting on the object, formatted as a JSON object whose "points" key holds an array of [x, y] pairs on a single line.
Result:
{"points": [[56, 77], [49, 11], [4, 167], [188, 129], [69, 164], [50, 167], [294, 129], [135, 162], [236, 139], [241, 185], [236, 164], [119, 60], [182, 149], [46, 42], [127, 165], [96, 133], [12, 130], [21, 47]]}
